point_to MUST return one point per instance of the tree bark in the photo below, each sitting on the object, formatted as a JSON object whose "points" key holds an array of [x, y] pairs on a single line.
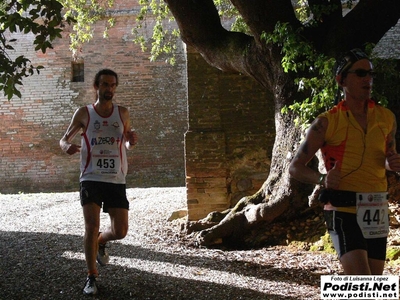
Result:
{"points": [[201, 28]]}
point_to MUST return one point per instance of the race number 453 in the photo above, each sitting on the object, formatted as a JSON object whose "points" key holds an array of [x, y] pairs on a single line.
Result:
{"points": [[106, 163]]}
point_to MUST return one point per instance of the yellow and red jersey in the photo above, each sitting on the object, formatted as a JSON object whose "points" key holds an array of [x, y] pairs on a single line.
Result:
{"points": [[361, 155]]}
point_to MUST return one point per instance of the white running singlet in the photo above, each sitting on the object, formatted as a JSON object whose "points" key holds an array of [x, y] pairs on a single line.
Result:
{"points": [[103, 154]]}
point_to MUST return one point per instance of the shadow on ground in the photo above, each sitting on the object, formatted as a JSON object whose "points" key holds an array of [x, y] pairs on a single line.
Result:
{"points": [[34, 266]]}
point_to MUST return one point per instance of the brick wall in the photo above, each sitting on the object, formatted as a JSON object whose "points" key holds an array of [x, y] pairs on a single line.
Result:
{"points": [[231, 133], [229, 142], [155, 93], [197, 126]]}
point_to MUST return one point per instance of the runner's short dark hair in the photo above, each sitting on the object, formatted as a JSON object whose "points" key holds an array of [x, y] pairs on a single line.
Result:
{"points": [[96, 81]]}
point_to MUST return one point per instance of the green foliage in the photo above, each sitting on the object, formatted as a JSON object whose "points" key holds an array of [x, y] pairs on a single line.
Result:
{"points": [[85, 13], [393, 253], [312, 72], [386, 88], [324, 244], [44, 19], [302, 11], [162, 41], [228, 11]]}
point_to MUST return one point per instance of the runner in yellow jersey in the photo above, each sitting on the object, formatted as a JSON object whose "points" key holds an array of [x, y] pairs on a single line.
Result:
{"points": [[357, 141]]}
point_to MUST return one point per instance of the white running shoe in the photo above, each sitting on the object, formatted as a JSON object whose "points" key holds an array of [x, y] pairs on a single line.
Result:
{"points": [[90, 285]]}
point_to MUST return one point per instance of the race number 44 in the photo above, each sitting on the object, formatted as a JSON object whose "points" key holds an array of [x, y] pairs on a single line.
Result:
{"points": [[373, 214]]}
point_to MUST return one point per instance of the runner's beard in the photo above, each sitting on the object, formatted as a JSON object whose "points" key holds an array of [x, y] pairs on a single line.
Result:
{"points": [[108, 96]]}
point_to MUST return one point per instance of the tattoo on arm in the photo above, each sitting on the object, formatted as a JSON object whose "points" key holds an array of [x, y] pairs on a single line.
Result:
{"points": [[317, 125], [304, 148], [317, 130]]}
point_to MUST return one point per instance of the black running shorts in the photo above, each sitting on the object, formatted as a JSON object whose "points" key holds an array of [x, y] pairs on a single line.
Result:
{"points": [[347, 236], [104, 194]]}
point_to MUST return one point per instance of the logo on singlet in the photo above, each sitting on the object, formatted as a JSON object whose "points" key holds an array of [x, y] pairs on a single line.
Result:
{"points": [[103, 141], [96, 125]]}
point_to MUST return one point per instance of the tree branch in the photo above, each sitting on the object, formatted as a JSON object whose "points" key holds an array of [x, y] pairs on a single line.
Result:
{"points": [[262, 15], [366, 23], [326, 14], [201, 28]]}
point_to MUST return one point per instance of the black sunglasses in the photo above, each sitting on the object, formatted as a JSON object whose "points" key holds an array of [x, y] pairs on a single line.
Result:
{"points": [[363, 73]]}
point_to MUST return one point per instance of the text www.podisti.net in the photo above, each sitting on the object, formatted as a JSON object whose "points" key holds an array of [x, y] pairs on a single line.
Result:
{"points": [[359, 287]]}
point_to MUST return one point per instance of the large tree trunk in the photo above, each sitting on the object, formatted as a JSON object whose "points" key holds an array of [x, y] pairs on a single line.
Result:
{"points": [[200, 27], [279, 197]]}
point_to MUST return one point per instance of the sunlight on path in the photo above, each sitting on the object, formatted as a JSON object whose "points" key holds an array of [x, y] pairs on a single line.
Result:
{"points": [[204, 274]]}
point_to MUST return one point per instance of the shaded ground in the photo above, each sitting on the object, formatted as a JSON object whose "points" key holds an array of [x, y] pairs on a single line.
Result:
{"points": [[41, 256]]}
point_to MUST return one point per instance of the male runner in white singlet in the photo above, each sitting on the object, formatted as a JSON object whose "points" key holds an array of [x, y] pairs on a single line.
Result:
{"points": [[105, 136]]}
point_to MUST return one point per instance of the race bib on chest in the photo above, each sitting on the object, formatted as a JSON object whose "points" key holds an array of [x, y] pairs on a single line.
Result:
{"points": [[105, 160], [373, 214]]}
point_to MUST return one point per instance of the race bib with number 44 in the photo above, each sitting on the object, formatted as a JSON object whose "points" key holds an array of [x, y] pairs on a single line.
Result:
{"points": [[373, 214]]}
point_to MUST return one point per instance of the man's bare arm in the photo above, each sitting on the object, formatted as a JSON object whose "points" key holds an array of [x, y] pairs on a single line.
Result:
{"points": [[314, 140], [130, 135], [77, 123], [392, 157]]}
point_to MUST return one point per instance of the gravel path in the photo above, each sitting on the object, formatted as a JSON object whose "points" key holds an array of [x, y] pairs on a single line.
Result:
{"points": [[41, 256]]}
